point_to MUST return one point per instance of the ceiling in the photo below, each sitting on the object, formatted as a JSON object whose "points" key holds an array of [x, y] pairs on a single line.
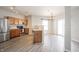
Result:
{"points": [[38, 10]]}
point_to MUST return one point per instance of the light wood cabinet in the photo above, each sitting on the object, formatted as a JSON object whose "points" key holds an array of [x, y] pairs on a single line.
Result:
{"points": [[24, 21], [11, 20], [15, 21], [20, 21]]}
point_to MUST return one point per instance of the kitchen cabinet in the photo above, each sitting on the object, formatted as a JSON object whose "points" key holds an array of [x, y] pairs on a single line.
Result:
{"points": [[26, 18], [37, 36], [15, 21], [26, 30], [24, 21], [11, 20], [20, 21], [14, 33]]}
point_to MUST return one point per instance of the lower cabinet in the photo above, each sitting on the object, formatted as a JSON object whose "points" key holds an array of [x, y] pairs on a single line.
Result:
{"points": [[26, 30], [14, 33], [37, 36]]}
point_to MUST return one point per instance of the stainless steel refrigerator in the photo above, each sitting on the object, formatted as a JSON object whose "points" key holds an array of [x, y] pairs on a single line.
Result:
{"points": [[4, 30]]}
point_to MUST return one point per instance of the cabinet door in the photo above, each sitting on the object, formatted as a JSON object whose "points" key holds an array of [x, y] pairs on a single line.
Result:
{"points": [[40, 36], [20, 21], [16, 21], [24, 21], [26, 30], [11, 21], [37, 36]]}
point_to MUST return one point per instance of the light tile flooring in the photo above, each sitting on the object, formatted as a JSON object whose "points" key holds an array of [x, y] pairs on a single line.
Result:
{"points": [[74, 46], [20, 44], [50, 43]]}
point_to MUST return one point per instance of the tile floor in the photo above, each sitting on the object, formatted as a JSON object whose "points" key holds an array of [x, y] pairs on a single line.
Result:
{"points": [[50, 43], [74, 46]]}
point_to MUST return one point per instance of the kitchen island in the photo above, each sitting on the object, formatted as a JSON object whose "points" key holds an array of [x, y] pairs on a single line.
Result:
{"points": [[37, 36]]}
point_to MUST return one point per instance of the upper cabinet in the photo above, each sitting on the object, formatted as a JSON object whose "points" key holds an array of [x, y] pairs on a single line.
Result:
{"points": [[25, 21], [26, 18], [20, 21], [11, 20], [15, 21]]}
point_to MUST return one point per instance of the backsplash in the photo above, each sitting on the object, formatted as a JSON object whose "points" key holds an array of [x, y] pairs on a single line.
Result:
{"points": [[15, 26]]}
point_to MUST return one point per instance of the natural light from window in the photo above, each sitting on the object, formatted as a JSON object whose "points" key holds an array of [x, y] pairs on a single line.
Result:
{"points": [[45, 24]]}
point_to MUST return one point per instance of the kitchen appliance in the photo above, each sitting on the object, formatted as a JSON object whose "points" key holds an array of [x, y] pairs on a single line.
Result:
{"points": [[4, 30], [20, 27]]}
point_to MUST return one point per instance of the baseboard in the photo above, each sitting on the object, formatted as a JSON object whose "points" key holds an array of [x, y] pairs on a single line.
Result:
{"points": [[66, 50], [75, 40]]}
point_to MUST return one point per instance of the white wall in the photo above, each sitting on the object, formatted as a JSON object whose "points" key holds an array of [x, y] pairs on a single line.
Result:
{"points": [[36, 20], [75, 23], [52, 26], [67, 28]]}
